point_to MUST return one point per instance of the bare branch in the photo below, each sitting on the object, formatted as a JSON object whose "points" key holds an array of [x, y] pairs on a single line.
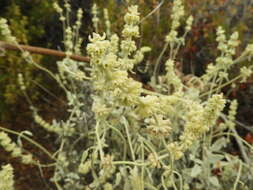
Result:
{"points": [[42, 51]]}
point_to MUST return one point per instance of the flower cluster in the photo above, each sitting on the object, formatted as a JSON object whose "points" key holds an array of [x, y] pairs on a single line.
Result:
{"points": [[158, 126], [72, 40], [212, 110], [230, 120], [175, 150], [246, 73], [59, 10], [7, 178], [148, 106], [21, 82], [176, 16], [189, 22], [199, 120], [153, 159], [63, 128], [131, 30], [46, 125], [85, 167], [5, 31], [219, 72], [249, 49], [110, 67], [15, 151], [232, 110], [95, 18], [177, 13], [107, 23], [171, 77]]}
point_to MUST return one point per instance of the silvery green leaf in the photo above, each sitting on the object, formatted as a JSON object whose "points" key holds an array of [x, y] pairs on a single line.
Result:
{"points": [[213, 158], [95, 155], [193, 94], [28, 133], [218, 144], [118, 179], [198, 161], [195, 171], [214, 181], [224, 163], [127, 185], [85, 155], [194, 149], [192, 157], [19, 142]]}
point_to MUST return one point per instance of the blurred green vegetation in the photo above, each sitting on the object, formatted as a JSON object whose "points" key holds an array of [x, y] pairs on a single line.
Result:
{"points": [[33, 23], [26, 30]]}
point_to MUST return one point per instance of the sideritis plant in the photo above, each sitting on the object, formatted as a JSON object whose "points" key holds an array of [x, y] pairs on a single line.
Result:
{"points": [[119, 135]]}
